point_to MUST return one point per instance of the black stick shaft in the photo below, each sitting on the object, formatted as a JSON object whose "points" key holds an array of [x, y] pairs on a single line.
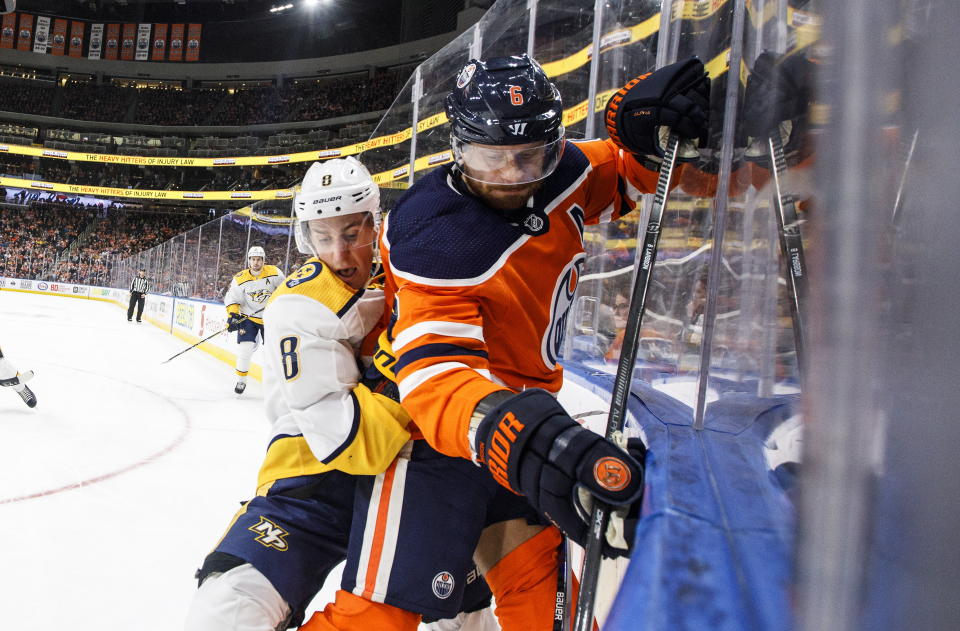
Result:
{"points": [[791, 243], [246, 317], [561, 612], [195, 345], [621, 385]]}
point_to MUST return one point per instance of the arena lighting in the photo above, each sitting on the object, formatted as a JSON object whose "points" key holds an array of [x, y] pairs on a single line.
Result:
{"points": [[311, 3], [282, 7]]}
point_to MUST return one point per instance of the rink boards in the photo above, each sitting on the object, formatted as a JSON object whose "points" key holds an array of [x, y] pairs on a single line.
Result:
{"points": [[187, 319]]}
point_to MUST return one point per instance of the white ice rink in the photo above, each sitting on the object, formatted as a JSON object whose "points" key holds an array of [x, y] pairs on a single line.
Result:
{"points": [[128, 471], [114, 488]]}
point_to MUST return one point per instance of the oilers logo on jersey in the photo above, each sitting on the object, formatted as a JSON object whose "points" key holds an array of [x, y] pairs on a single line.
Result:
{"points": [[563, 295], [443, 585]]}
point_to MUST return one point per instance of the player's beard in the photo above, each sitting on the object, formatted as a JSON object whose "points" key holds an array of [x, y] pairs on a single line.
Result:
{"points": [[503, 196]]}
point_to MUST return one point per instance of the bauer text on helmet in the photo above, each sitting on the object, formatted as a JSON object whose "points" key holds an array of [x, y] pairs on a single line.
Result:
{"points": [[506, 121]]}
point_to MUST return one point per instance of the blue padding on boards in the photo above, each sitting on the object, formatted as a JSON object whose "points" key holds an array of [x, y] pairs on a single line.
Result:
{"points": [[713, 547]]}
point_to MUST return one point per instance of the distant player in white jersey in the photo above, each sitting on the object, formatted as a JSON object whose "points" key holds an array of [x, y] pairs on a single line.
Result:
{"points": [[245, 301], [329, 422], [9, 377]]}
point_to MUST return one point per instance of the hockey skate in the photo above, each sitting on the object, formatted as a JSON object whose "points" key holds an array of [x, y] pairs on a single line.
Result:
{"points": [[240, 387], [28, 397]]}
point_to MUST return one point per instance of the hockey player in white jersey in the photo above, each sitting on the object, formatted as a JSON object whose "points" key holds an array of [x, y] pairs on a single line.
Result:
{"points": [[329, 421], [9, 377], [245, 300]]}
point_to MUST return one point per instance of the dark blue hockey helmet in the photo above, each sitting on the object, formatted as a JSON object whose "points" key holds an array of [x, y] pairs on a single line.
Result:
{"points": [[499, 104], [505, 101]]}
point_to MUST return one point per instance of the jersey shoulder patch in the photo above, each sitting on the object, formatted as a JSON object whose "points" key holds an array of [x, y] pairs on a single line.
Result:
{"points": [[315, 280], [434, 231]]}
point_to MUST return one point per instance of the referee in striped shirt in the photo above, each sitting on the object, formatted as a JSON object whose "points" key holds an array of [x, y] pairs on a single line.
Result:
{"points": [[138, 292]]}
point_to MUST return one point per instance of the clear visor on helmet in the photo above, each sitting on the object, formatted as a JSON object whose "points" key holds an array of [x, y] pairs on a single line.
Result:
{"points": [[334, 238], [507, 164]]}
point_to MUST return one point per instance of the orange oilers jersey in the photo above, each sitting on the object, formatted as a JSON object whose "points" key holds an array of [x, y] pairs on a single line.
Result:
{"points": [[480, 303]]}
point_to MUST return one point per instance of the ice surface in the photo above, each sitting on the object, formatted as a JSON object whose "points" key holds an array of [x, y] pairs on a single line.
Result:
{"points": [[123, 477]]}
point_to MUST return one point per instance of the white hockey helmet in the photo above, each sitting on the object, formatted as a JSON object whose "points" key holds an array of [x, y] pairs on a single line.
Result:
{"points": [[335, 188], [256, 251]]}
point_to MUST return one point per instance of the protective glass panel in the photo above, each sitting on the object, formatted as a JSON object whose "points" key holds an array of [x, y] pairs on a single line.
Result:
{"points": [[189, 269], [387, 153], [208, 259], [174, 258], [234, 237], [438, 75], [504, 31], [562, 44], [273, 234]]}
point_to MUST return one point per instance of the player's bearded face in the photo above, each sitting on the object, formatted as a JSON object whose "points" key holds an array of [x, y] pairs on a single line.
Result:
{"points": [[506, 176], [345, 244], [256, 264]]}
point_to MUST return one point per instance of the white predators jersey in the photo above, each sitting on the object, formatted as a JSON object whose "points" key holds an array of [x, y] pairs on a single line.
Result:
{"points": [[248, 294], [322, 419]]}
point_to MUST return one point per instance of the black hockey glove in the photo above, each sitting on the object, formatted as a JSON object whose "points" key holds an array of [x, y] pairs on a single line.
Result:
{"points": [[379, 375], [675, 98], [777, 99], [531, 446], [234, 322]]}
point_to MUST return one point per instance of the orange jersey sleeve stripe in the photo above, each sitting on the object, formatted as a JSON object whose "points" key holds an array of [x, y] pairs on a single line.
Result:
{"points": [[452, 394]]}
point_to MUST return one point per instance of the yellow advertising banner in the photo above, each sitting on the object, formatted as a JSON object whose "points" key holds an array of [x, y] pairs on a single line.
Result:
{"points": [[156, 161], [133, 193]]}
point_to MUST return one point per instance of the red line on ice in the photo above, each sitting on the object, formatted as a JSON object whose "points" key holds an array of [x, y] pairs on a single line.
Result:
{"points": [[106, 476]]}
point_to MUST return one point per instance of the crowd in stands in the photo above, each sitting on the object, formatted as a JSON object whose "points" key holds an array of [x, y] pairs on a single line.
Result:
{"points": [[32, 238], [296, 100], [340, 97], [74, 243], [114, 236], [170, 106], [34, 98], [94, 102]]}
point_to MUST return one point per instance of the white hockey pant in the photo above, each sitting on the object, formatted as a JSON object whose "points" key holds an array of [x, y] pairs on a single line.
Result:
{"points": [[482, 620], [240, 599], [244, 353], [7, 371]]}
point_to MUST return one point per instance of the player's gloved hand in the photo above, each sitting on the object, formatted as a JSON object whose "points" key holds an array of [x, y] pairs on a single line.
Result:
{"points": [[234, 322], [777, 99], [532, 447], [379, 375], [675, 98]]}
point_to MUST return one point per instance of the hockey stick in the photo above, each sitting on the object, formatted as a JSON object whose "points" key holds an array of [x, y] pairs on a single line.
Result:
{"points": [[209, 337], [791, 242], [561, 610], [621, 386]]}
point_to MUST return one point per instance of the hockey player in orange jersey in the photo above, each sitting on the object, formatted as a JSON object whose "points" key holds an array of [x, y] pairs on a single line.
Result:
{"points": [[482, 259]]}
